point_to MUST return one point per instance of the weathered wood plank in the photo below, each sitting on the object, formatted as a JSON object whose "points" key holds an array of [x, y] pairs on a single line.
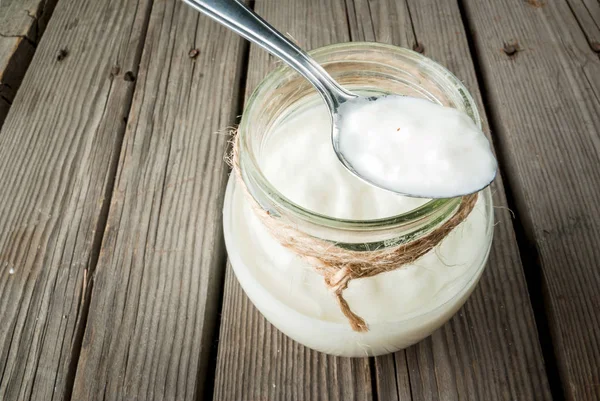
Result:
{"points": [[255, 360], [25, 18], [161, 265], [490, 350], [587, 13], [545, 103], [22, 23], [58, 152]]}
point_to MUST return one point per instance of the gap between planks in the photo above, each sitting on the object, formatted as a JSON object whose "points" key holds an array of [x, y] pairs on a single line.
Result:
{"points": [[22, 24], [88, 282], [209, 386]]}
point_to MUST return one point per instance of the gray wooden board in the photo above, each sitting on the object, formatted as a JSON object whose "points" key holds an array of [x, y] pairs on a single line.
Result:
{"points": [[256, 361], [587, 13], [545, 103], [161, 265], [488, 351], [22, 23], [58, 149], [25, 18]]}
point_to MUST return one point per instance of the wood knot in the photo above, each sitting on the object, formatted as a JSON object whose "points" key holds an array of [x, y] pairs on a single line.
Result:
{"points": [[418, 47], [511, 48], [129, 76], [62, 54], [194, 53], [115, 70], [595, 46]]}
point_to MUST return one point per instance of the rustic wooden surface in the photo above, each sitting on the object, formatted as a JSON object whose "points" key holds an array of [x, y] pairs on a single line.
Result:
{"points": [[113, 278], [159, 274], [545, 106], [22, 23], [587, 14], [58, 149]]}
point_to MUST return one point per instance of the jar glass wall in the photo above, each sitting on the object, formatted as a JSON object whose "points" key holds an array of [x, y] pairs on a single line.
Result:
{"points": [[401, 307]]}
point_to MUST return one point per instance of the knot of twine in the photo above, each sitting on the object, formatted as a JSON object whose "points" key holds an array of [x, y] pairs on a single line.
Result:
{"points": [[339, 265]]}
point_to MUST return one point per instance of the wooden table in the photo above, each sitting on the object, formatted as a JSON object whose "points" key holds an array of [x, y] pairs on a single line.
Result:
{"points": [[114, 283]]}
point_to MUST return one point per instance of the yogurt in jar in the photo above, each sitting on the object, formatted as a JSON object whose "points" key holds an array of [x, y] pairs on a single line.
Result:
{"points": [[401, 307]]}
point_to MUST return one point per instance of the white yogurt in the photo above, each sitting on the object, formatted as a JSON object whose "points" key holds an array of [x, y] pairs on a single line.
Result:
{"points": [[414, 146], [401, 307]]}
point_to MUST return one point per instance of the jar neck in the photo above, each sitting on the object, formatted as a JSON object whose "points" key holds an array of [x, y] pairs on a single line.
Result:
{"points": [[372, 67], [360, 235]]}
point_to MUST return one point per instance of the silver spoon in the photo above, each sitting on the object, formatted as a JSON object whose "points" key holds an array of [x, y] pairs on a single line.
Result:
{"points": [[242, 20]]}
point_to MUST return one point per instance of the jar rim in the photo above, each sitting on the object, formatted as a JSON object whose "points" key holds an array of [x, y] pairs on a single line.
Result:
{"points": [[251, 168]]}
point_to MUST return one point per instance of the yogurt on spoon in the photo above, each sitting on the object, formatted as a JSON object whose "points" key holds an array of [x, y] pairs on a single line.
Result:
{"points": [[414, 146]]}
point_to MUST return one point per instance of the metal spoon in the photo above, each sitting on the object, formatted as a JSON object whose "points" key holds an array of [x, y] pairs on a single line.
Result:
{"points": [[242, 20]]}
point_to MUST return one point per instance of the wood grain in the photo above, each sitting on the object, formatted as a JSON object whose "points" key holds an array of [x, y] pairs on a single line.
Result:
{"points": [[545, 103], [587, 13], [256, 361], [490, 350], [58, 149], [160, 269], [25, 18], [22, 23]]}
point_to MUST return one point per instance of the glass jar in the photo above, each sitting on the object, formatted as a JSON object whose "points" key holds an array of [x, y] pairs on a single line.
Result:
{"points": [[294, 299]]}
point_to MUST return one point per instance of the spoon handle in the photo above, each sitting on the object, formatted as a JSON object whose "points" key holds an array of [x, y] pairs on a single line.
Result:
{"points": [[242, 20]]}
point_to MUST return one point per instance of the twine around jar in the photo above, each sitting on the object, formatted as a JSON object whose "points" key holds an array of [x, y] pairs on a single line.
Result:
{"points": [[339, 265]]}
